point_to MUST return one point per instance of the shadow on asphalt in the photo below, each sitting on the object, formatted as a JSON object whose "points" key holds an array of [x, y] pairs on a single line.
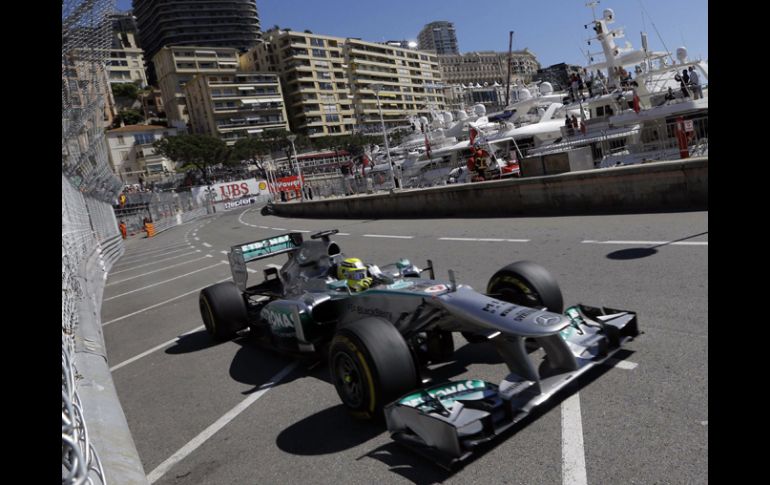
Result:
{"points": [[192, 342], [632, 253], [638, 253], [329, 431], [413, 467]]}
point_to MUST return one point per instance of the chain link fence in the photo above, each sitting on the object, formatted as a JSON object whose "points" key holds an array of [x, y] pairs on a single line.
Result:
{"points": [[93, 424]]}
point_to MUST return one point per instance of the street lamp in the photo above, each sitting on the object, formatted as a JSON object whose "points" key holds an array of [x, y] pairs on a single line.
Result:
{"points": [[377, 88], [291, 139]]}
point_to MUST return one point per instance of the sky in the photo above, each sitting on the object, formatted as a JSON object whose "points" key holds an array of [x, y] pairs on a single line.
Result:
{"points": [[551, 29]]}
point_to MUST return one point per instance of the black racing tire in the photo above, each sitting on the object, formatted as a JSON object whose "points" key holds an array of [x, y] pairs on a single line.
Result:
{"points": [[523, 283], [223, 310], [528, 284], [370, 365]]}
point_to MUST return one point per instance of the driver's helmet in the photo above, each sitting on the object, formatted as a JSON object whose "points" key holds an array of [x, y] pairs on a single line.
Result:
{"points": [[354, 272]]}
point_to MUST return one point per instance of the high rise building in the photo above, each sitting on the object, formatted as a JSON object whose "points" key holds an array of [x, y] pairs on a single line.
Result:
{"points": [[206, 23], [126, 62], [439, 37], [233, 106], [178, 65], [327, 81]]}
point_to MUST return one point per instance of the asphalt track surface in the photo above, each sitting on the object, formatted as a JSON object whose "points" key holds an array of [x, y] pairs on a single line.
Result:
{"points": [[644, 420]]}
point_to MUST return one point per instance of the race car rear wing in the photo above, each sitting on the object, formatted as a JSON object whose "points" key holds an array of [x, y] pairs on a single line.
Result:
{"points": [[241, 254]]}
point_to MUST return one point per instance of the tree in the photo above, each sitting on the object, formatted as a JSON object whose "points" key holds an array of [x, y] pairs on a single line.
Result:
{"points": [[195, 152], [128, 117], [125, 90]]}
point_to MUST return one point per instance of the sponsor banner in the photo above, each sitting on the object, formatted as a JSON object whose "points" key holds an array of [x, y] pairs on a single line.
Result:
{"points": [[287, 184], [229, 191]]}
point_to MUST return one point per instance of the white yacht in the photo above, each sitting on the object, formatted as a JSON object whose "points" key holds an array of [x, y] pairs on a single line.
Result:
{"points": [[637, 119]]}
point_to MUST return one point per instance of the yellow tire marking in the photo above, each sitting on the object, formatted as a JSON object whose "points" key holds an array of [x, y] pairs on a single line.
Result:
{"points": [[370, 380]]}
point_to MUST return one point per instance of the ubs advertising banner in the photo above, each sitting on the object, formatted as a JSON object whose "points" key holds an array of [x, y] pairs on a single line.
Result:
{"points": [[231, 191]]}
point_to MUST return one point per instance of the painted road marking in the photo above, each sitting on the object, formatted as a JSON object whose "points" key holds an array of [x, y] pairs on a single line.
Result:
{"points": [[142, 253], [155, 271], [223, 252], [207, 245], [154, 262], [342, 234], [219, 424], [197, 238], [160, 304], [298, 230], [481, 239], [139, 258], [250, 270], [573, 460], [154, 349], [621, 364], [164, 281], [278, 228], [388, 236], [667, 243]]}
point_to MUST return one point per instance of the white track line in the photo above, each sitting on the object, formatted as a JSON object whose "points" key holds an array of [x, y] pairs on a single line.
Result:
{"points": [[160, 304], [278, 228], [207, 245], [573, 460], [154, 262], [298, 230], [388, 236], [667, 243], [621, 364], [157, 270], [139, 258], [154, 349], [164, 281], [219, 424], [481, 239]]}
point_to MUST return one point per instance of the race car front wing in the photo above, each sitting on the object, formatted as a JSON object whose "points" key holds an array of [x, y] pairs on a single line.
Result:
{"points": [[447, 421]]}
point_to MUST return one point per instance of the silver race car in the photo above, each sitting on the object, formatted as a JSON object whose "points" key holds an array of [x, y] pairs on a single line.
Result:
{"points": [[380, 328]]}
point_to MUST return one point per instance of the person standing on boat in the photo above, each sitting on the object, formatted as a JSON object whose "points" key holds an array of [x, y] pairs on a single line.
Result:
{"points": [[697, 91], [568, 124], [590, 83], [683, 83]]}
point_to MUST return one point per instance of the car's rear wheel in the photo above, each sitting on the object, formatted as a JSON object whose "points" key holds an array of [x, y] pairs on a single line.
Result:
{"points": [[223, 310], [370, 365]]}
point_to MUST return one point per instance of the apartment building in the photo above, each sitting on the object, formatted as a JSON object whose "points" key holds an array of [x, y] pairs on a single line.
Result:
{"points": [[233, 106], [132, 155], [176, 66], [327, 81], [488, 67], [126, 61]]}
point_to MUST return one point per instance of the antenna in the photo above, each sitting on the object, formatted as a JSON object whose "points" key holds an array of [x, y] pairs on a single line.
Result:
{"points": [[593, 7]]}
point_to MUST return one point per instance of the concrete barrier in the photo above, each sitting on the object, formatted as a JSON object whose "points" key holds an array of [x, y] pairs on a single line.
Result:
{"points": [[654, 187]]}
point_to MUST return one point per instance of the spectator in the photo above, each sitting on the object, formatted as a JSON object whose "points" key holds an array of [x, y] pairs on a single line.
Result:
{"points": [[682, 85], [697, 91], [123, 230], [568, 124]]}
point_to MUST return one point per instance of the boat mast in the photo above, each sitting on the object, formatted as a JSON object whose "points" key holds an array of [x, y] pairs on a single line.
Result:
{"points": [[508, 83]]}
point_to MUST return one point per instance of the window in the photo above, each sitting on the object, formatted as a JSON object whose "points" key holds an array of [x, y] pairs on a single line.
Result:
{"points": [[326, 86], [121, 140], [144, 138], [319, 53], [317, 42]]}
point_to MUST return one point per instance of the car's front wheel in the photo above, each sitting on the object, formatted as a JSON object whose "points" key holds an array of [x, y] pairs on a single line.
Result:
{"points": [[370, 365]]}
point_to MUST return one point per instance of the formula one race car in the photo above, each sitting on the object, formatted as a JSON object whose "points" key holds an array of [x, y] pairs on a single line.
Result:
{"points": [[380, 327]]}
